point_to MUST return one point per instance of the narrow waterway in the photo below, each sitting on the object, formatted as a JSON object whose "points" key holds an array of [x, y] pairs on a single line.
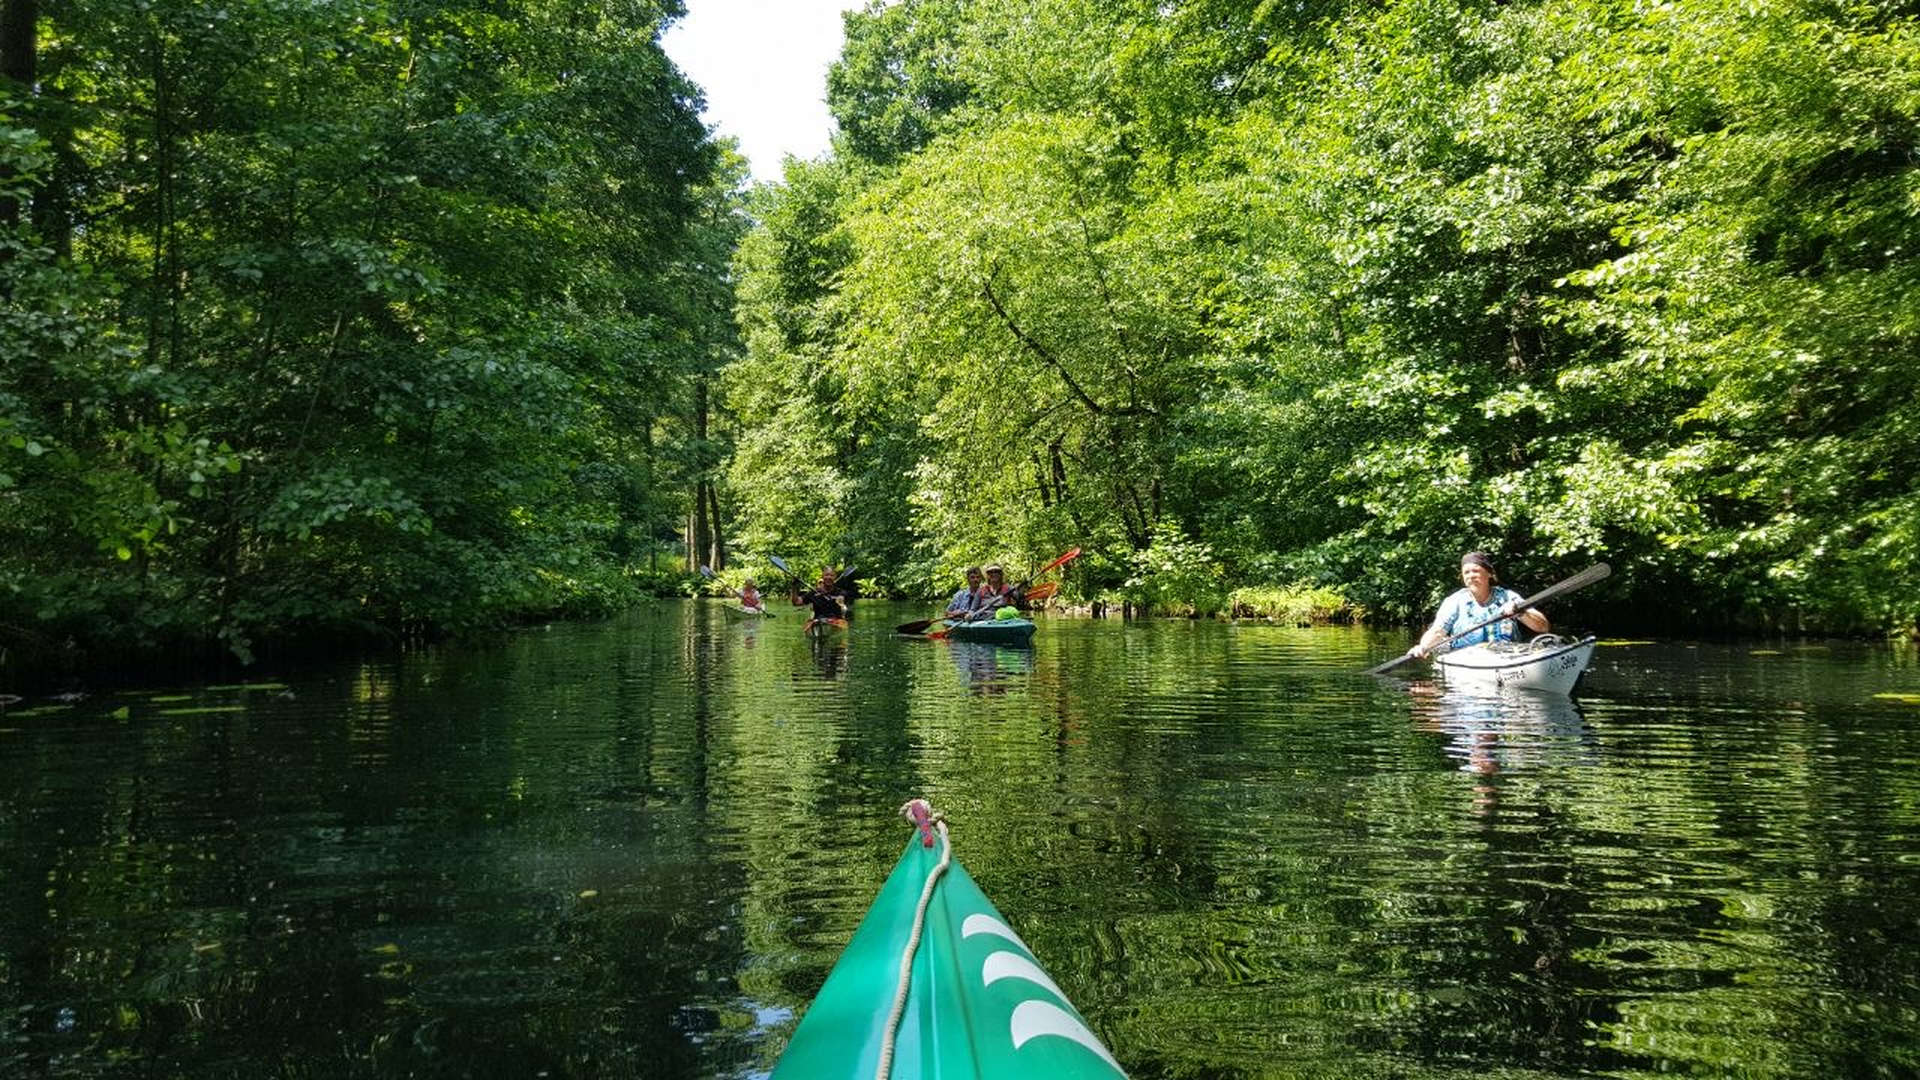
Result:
{"points": [[634, 849]]}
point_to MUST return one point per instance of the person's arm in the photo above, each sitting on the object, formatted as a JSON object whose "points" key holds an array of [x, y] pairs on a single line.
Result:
{"points": [[1531, 618], [1433, 637], [1439, 631]]}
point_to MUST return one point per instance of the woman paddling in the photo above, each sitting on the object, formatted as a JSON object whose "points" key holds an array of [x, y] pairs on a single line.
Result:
{"points": [[1482, 599], [995, 595]]}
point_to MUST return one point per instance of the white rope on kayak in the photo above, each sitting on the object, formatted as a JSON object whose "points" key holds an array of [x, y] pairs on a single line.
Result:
{"points": [[939, 822]]}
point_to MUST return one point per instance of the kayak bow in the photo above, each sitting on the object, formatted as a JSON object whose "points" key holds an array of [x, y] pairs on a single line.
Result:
{"points": [[936, 986]]}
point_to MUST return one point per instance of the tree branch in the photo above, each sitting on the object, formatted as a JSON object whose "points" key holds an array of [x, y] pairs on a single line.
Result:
{"points": [[1047, 357]]}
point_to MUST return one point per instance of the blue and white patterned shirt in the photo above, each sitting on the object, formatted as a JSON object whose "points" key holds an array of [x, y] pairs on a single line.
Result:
{"points": [[1459, 611]]}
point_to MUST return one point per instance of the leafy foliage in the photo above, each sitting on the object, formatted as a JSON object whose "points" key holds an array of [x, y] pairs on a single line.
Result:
{"points": [[350, 316], [1333, 293]]}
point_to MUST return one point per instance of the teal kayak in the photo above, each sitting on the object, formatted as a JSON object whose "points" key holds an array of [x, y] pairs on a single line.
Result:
{"points": [[977, 1005], [997, 631]]}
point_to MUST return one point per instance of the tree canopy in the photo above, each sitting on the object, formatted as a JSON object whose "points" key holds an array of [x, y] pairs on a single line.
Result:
{"points": [[1325, 294], [374, 316], [348, 316]]}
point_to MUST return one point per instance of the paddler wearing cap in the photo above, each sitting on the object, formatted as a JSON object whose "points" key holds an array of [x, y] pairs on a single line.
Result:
{"points": [[994, 595], [1483, 598]]}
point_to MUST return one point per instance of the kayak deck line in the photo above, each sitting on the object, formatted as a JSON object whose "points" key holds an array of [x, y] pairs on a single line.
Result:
{"points": [[936, 985], [924, 818], [1548, 664], [1488, 659]]}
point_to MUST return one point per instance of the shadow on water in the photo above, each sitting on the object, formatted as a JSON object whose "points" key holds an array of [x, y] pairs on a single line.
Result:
{"points": [[635, 849]]}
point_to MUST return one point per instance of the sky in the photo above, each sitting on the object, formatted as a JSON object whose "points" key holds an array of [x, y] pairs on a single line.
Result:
{"points": [[763, 65]]}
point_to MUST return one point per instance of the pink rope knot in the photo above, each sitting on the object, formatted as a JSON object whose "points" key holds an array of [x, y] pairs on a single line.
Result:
{"points": [[922, 814]]}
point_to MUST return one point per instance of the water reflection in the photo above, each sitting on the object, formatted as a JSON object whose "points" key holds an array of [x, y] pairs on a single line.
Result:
{"points": [[987, 668], [1494, 733], [636, 848], [829, 652]]}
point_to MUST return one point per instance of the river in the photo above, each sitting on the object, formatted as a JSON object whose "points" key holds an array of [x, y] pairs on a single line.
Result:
{"points": [[634, 849]]}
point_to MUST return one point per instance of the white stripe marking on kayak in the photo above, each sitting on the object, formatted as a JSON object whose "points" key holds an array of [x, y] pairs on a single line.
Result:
{"points": [[987, 924], [1032, 1019], [1011, 965]]}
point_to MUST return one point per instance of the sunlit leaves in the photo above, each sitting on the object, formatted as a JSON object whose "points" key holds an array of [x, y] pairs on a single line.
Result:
{"points": [[429, 276], [1343, 291]]}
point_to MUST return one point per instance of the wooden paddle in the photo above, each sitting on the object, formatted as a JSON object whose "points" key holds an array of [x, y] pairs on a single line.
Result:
{"points": [[920, 626], [1578, 581], [710, 576]]}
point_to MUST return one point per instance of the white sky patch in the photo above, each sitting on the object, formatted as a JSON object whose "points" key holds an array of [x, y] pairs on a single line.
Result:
{"points": [[763, 65]]}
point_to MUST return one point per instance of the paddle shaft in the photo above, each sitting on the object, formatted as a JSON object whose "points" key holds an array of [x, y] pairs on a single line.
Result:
{"points": [[1578, 581], [840, 577]]}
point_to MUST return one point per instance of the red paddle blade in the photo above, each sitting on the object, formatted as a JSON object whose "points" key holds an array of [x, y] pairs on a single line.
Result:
{"points": [[1067, 557], [1043, 591]]}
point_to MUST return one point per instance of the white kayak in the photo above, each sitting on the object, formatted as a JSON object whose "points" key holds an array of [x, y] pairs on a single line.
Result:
{"points": [[1547, 664]]}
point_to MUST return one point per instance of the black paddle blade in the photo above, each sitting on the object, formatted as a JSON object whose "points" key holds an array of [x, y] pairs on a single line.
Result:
{"points": [[781, 565], [1578, 581], [918, 626]]}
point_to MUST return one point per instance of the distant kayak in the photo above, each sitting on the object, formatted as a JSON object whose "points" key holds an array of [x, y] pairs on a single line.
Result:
{"points": [[1547, 664], [976, 1004], [997, 631], [738, 611]]}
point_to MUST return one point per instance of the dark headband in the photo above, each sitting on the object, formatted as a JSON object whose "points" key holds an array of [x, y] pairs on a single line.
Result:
{"points": [[1480, 559]]}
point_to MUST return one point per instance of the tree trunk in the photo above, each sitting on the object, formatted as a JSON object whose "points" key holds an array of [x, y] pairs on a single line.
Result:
{"points": [[717, 557], [19, 20], [699, 526]]}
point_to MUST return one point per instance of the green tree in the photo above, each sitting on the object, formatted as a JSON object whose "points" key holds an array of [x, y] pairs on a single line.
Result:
{"points": [[422, 274]]}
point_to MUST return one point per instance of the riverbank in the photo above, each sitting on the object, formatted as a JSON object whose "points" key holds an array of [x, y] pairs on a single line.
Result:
{"points": [[81, 658]]}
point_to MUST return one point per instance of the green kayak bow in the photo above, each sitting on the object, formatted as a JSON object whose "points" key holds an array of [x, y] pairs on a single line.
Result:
{"points": [[976, 1004]]}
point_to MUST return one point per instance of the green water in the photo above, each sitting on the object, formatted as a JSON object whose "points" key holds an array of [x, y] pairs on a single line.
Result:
{"points": [[635, 848]]}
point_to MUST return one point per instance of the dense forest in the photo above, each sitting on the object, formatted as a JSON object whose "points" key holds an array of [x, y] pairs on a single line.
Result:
{"points": [[349, 317], [373, 315], [1247, 294]]}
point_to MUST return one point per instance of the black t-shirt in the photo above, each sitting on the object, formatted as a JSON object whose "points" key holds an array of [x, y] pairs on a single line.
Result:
{"points": [[825, 605]]}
